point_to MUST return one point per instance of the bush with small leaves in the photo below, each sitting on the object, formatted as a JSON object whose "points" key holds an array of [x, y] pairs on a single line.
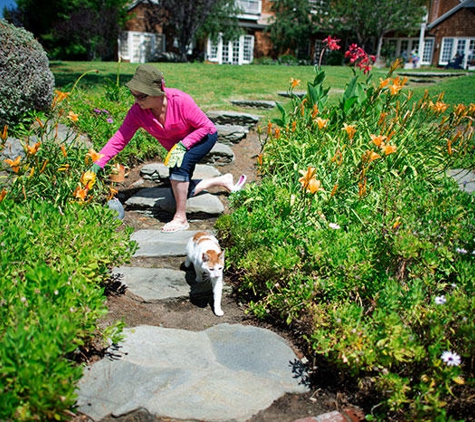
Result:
{"points": [[26, 80]]}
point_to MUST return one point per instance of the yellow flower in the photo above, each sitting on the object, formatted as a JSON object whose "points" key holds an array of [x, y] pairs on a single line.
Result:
{"points": [[378, 140], [88, 179], [314, 185], [73, 116], [14, 164], [350, 130], [321, 122], [294, 82]]}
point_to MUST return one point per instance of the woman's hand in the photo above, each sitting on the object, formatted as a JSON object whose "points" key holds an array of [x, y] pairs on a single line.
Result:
{"points": [[175, 155]]}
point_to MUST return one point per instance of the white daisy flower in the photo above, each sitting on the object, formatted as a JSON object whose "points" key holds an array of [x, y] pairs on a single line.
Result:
{"points": [[334, 226], [440, 300], [451, 358]]}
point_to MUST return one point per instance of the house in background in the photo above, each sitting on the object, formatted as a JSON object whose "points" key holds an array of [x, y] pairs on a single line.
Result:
{"points": [[256, 16], [447, 32], [141, 41]]}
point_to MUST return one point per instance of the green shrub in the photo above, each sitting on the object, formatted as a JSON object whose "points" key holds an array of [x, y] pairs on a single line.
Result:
{"points": [[357, 233], [53, 267], [27, 82]]}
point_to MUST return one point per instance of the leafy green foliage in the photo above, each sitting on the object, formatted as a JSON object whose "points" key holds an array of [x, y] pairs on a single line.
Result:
{"points": [[53, 266], [59, 243], [27, 82], [357, 233]]}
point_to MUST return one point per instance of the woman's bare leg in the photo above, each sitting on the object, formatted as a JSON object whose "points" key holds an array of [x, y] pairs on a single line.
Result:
{"points": [[180, 192]]}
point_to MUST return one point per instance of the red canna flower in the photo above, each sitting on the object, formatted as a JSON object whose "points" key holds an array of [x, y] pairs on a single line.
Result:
{"points": [[332, 43]]}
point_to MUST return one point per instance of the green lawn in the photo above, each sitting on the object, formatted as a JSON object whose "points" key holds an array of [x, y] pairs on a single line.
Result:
{"points": [[213, 86]]}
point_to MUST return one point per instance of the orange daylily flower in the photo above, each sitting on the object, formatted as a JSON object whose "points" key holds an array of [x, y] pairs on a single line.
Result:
{"points": [[60, 95], [314, 111], [3, 193], [4, 134], [112, 192], [14, 164], [338, 157], [73, 116], [64, 151], [269, 128], [80, 193], [350, 130], [449, 147], [277, 133], [294, 126], [384, 83], [44, 166], [88, 179], [370, 156], [460, 110], [321, 122], [259, 159], [362, 188], [38, 120], [294, 82], [314, 186], [388, 149], [395, 88], [378, 140], [308, 180], [438, 107], [93, 155], [32, 150], [335, 188]]}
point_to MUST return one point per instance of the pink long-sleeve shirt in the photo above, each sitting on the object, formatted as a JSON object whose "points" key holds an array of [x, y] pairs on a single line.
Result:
{"points": [[184, 122]]}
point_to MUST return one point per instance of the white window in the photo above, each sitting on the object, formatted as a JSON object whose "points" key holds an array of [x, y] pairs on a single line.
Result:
{"points": [[452, 47], [240, 51], [140, 47]]}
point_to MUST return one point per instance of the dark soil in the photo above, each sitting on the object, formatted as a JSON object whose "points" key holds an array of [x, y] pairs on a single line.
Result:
{"points": [[185, 315]]}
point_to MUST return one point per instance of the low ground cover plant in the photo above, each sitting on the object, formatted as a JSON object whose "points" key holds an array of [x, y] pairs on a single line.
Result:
{"points": [[358, 238], [59, 243]]}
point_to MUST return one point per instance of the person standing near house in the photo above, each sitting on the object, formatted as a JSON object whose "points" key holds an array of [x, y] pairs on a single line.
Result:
{"points": [[182, 128]]}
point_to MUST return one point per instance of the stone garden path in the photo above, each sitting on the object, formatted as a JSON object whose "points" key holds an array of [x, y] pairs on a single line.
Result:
{"points": [[227, 372]]}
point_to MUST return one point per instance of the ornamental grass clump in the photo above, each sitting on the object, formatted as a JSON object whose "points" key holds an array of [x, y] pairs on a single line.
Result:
{"points": [[356, 233]]}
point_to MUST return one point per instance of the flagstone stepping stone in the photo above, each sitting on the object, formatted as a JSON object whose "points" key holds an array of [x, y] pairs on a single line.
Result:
{"points": [[225, 373], [254, 103], [233, 118], [161, 198], [288, 95], [231, 134], [464, 178], [157, 284], [220, 155], [159, 172], [154, 243]]}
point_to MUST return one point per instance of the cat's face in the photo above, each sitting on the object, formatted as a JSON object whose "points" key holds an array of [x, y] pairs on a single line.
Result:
{"points": [[213, 263]]}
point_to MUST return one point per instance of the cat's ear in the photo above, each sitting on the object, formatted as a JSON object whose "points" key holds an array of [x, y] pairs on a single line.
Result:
{"points": [[205, 257], [221, 255]]}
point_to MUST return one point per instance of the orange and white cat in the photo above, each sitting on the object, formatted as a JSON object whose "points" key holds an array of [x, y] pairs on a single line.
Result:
{"points": [[204, 252]]}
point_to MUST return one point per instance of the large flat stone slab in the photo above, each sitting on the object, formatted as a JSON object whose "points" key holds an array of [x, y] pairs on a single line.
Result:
{"points": [[154, 243], [225, 373], [158, 284], [162, 198]]}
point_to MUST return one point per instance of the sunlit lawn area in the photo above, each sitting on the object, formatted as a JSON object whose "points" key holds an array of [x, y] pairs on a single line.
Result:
{"points": [[213, 86]]}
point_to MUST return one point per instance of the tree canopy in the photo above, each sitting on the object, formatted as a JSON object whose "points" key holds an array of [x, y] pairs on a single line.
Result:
{"points": [[185, 19], [73, 29]]}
